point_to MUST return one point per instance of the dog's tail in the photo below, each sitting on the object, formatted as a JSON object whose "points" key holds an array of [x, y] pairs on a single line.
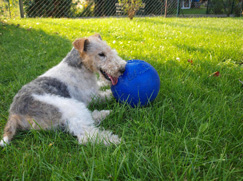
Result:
{"points": [[10, 129]]}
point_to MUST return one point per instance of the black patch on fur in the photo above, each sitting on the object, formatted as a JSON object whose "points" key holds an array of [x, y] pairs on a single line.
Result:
{"points": [[24, 103], [73, 59], [52, 86]]}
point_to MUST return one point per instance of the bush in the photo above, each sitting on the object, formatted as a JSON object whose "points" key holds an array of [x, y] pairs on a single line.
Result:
{"points": [[225, 7], [131, 7], [154, 7], [237, 8], [105, 8], [48, 8], [157, 7]]}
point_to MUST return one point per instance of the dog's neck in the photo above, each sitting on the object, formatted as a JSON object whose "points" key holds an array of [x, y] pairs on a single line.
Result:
{"points": [[73, 59]]}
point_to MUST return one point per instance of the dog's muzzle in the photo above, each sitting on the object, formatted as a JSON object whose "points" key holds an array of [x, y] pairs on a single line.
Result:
{"points": [[114, 80]]}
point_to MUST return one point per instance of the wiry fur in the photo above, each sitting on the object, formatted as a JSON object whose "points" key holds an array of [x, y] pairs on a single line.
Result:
{"points": [[60, 96]]}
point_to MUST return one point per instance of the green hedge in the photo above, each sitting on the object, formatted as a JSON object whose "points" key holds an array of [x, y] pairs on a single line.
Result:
{"points": [[48, 8]]}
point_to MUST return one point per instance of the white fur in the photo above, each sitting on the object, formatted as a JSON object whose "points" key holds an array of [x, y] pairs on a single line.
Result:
{"points": [[77, 81], [78, 119], [4, 141]]}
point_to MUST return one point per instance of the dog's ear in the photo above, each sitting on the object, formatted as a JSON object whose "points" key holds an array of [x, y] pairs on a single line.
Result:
{"points": [[81, 44], [97, 35]]}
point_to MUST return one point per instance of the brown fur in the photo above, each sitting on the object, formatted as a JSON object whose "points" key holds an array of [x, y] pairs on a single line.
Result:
{"points": [[81, 45], [84, 45], [14, 122], [24, 123]]}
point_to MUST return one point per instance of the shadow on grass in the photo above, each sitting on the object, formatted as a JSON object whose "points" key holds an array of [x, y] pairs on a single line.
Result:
{"points": [[25, 54], [191, 48], [28, 52]]}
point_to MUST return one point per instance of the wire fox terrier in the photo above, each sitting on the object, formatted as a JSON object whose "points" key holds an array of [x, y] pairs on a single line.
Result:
{"points": [[59, 96]]}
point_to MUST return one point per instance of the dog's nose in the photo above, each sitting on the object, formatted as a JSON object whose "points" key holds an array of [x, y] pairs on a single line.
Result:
{"points": [[122, 70]]}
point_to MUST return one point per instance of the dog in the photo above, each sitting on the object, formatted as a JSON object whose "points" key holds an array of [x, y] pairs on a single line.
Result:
{"points": [[59, 97]]}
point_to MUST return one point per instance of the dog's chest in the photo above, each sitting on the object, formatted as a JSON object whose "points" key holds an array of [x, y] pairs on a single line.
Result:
{"points": [[83, 89]]}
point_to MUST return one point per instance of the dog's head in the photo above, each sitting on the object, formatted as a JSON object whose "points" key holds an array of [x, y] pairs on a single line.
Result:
{"points": [[97, 56]]}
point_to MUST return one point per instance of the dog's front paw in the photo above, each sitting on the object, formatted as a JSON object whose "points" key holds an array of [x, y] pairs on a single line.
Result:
{"points": [[99, 116], [113, 139], [83, 140]]}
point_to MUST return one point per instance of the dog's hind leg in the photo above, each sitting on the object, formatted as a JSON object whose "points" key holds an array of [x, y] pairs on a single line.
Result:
{"points": [[79, 121], [14, 122]]}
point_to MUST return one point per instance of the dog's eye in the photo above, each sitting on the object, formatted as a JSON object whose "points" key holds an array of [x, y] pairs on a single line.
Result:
{"points": [[102, 54]]}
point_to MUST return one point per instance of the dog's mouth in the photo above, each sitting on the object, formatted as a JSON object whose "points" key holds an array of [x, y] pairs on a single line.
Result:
{"points": [[113, 80]]}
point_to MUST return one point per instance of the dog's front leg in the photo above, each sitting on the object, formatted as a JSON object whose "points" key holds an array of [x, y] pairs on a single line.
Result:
{"points": [[105, 95], [95, 135], [103, 83]]}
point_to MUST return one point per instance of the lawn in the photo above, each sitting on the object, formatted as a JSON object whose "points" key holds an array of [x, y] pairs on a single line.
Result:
{"points": [[192, 131], [194, 11]]}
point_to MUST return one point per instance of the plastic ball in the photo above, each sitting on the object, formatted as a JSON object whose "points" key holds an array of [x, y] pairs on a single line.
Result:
{"points": [[138, 85]]}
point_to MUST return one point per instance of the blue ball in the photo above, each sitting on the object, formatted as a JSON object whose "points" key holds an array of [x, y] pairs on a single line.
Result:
{"points": [[138, 85]]}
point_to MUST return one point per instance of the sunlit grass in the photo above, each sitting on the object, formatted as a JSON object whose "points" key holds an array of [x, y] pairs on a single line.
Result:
{"points": [[193, 130]]}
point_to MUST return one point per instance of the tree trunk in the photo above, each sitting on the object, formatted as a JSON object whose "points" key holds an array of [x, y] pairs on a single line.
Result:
{"points": [[166, 8]]}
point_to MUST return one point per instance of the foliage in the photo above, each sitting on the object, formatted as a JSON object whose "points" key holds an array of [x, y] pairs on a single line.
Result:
{"points": [[157, 7], [91, 8], [48, 8], [237, 8], [154, 7], [87, 9], [4, 8], [131, 6], [9, 8], [105, 8], [225, 7]]}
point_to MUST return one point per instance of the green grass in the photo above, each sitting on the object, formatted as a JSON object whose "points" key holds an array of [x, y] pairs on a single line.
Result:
{"points": [[192, 131], [194, 11]]}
